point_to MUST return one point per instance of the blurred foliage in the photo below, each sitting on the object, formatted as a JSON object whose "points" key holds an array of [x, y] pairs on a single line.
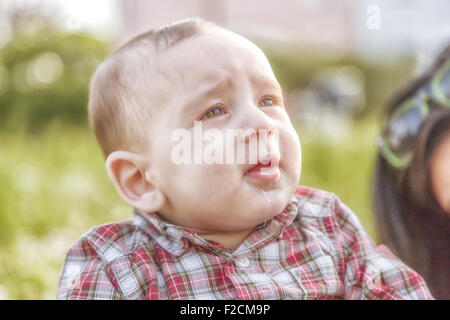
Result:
{"points": [[53, 188], [53, 184], [45, 72], [48, 181], [343, 165], [295, 66]]}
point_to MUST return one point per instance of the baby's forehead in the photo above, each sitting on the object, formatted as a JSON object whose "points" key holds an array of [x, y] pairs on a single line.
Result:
{"points": [[213, 56]]}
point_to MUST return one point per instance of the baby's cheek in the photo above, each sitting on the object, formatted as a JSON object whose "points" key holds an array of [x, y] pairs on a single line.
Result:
{"points": [[291, 152], [218, 175]]}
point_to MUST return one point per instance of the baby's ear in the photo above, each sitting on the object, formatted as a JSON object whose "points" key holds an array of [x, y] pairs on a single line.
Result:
{"points": [[129, 173]]}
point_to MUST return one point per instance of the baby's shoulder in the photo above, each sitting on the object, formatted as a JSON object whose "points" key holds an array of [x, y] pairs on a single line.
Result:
{"points": [[319, 207], [112, 240], [315, 203]]}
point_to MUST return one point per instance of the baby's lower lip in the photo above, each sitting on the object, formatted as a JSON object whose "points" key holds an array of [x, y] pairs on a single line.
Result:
{"points": [[264, 173]]}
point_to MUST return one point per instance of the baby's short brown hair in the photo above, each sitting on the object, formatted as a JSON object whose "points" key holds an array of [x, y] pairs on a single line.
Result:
{"points": [[120, 100]]}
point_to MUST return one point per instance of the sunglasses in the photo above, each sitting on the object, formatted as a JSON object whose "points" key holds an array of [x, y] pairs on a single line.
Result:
{"points": [[396, 144]]}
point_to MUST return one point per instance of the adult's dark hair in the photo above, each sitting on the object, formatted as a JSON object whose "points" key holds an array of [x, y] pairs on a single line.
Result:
{"points": [[410, 220]]}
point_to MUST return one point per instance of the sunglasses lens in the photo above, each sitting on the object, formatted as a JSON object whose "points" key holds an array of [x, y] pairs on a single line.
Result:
{"points": [[402, 132]]}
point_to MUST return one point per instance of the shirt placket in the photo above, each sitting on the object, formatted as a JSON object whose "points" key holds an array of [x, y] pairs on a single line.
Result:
{"points": [[242, 263]]}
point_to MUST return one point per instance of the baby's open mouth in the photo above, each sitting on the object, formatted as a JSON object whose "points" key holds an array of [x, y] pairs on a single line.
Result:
{"points": [[266, 170]]}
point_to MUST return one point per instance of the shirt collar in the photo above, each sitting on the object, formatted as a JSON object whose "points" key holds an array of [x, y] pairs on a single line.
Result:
{"points": [[176, 239]]}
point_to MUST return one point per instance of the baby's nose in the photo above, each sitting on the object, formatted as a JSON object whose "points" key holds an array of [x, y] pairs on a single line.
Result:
{"points": [[260, 133], [258, 125]]}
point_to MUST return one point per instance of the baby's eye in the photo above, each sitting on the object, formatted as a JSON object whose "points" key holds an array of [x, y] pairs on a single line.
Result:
{"points": [[267, 102], [216, 111]]}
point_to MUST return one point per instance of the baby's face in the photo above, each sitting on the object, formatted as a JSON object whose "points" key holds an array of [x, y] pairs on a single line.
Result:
{"points": [[222, 81]]}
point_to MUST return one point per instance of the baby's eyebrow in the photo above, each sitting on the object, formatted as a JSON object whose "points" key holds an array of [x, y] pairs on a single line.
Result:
{"points": [[266, 83], [205, 92]]}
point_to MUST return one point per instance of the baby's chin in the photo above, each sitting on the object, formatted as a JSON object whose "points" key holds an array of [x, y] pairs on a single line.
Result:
{"points": [[259, 208], [267, 204]]}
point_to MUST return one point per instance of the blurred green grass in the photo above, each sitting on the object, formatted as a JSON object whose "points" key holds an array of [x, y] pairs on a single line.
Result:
{"points": [[54, 188], [343, 166]]}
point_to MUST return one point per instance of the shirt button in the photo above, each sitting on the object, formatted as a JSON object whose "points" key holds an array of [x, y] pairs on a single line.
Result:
{"points": [[243, 262], [174, 233], [177, 245]]}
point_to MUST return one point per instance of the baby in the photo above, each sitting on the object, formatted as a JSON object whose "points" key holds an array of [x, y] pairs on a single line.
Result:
{"points": [[211, 228]]}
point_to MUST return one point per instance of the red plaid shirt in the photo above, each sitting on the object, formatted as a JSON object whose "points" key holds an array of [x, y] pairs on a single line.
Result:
{"points": [[314, 249]]}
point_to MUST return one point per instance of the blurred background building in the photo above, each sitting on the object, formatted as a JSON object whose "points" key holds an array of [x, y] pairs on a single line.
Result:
{"points": [[319, 22], [404, 26]]}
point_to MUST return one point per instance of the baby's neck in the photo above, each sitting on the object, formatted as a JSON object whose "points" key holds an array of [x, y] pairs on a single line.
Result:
{"points": [[230, 240]]}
